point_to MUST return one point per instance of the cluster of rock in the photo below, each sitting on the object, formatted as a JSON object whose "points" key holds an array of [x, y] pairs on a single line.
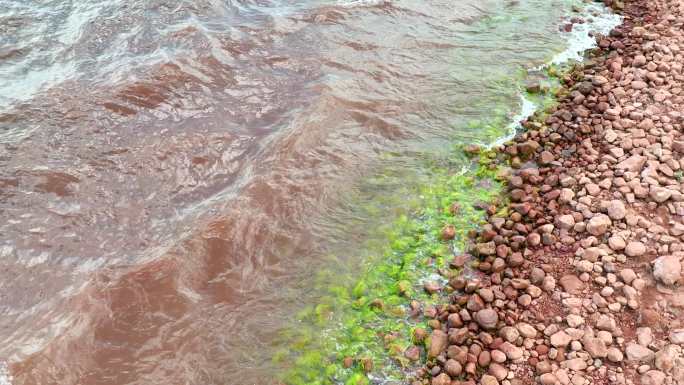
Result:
{"points": [[581, 281]]}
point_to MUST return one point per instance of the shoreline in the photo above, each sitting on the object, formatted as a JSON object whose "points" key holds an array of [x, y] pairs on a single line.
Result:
{"points": [[376, 338], [581, 279]]}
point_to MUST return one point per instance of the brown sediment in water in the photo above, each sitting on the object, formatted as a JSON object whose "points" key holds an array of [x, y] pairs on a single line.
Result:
{"points": [[166, 196], [157, 214], [599, 295]]}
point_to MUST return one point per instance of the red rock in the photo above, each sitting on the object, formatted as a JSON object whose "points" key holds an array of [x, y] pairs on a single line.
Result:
{"points": [[546, 157], [634, 163], [448, 233], [453, 368], [572, 284], [667, 269], [678, 146], [639, 85], [438, 343], [487, 318], [635, 249], [598, 224], [441, 379]]}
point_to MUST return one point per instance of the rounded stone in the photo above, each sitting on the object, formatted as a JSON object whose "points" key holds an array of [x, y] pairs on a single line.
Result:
{"points": [[635, 249], [487, 318]]}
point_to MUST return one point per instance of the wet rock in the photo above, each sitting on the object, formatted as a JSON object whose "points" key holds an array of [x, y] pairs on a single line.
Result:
{"points": [[527, 148], [448, 232], [546, 157], [488, 248], [438, 343], [412, 353], [475, 303], [599, 80], [431, 287], [367, 364], [585, 88], [486, 294]]}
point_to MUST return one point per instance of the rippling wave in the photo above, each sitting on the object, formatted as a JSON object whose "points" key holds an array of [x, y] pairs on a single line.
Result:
{"points": [[172, 173]]}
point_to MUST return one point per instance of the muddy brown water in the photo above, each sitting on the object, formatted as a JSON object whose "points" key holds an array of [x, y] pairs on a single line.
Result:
{"points": [[172, 173]]}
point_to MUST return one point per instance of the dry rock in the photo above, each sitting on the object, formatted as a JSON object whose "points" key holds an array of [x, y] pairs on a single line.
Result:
{"points": [[638, 353], [616, 210], [667, 269], [596, 347], [487, 318], [560, 339], [572, 284], [677, 336], [598, 224], [635, 249]]}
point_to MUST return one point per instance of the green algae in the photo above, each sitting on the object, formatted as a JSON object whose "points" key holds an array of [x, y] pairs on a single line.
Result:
{"points": [[362, 326], [366, 322]]}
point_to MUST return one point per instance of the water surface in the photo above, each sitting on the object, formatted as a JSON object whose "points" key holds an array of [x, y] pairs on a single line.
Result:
{"points": [[173, 173]]}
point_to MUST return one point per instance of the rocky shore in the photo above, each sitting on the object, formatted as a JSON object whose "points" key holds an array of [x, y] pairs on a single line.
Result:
{"points": [[580, 280]]}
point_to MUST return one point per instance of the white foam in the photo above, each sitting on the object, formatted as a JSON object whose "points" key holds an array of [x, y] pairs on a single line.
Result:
{"points": [[361, 3], [527, 108], [601, 20], [5, 377]]}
